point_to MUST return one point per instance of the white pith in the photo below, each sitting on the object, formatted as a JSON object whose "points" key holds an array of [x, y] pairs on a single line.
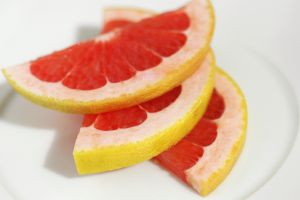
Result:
{"points": [[230, 128], [199, 13], [132, 15], [192, 88]]}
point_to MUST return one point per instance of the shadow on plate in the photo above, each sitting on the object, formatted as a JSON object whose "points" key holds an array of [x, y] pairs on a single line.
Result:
{"points": [[17, 110], [6, 94], [87, 32], [59, 158]]}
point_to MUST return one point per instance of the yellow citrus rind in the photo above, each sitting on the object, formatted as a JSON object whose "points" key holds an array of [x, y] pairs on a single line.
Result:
{"points": [[217, 177]]}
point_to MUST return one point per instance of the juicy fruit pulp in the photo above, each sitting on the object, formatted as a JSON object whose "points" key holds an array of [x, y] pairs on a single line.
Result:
{"points": [[138, 47], [131, 116], [120, 68], [189, 150]]}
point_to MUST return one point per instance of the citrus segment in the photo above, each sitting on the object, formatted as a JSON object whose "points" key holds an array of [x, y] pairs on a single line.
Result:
{"points": [[120, 68], [161, 102], [132, 116], [215, 107], [178, 159], [117, 139], [206, 155]]}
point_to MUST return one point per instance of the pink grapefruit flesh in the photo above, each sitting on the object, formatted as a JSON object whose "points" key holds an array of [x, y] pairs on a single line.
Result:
{"points": [[140, 46], [121, 67], [132, 116]]}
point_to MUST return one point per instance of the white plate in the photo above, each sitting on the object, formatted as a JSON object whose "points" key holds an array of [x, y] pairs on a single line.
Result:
{"points": [[36, 144]]}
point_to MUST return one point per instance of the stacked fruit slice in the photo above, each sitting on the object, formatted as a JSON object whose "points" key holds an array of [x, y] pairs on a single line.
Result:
{"points": [[121, 68], [150, 89]]}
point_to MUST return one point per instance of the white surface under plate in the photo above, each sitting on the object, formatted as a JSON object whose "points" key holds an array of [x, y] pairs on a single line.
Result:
{"points": [[36, 143]]}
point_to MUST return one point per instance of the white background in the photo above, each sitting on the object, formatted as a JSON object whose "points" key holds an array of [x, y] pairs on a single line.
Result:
{"points": [[275, 31]]}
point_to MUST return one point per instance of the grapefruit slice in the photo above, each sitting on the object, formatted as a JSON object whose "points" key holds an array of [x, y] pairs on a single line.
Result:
{"points": [[121, 138], [120, 68], [207, 154]]}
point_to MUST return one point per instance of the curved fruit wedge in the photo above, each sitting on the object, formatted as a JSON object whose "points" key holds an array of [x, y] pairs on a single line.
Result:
{"points": [[206, 155], [121, 68], [121, 138]]}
